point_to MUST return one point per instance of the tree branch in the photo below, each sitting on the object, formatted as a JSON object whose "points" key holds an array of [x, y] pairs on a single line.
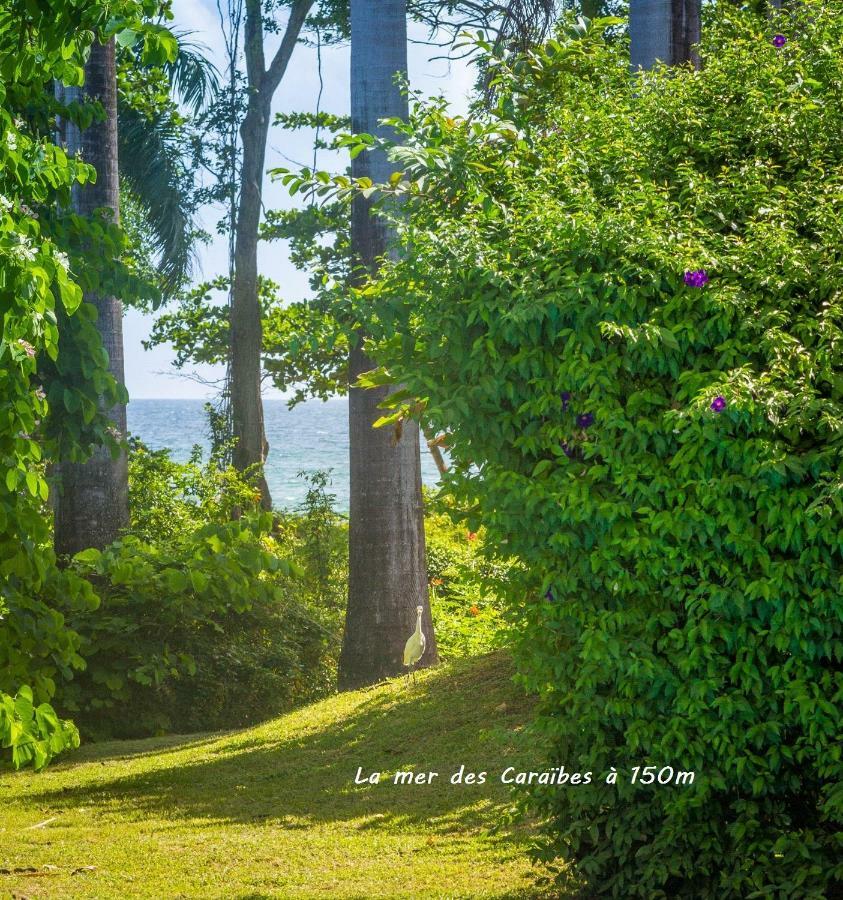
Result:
{"points": [[278, 66], [253, 43]]}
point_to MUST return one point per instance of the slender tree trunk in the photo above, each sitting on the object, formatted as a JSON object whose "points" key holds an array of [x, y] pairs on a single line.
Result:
{"points": [[664, 30], [251, 447], [387, 574], [92, 501]]}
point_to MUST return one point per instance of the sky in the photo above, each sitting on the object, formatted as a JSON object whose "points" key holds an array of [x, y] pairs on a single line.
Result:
{"points": [[149, 374]]}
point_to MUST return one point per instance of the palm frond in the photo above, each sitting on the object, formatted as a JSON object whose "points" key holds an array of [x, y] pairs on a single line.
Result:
{"points": [[153, 170], [193, 78]]}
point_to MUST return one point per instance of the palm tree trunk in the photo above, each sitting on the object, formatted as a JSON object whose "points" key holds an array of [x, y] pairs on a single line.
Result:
{"points": [[387, 575], [92, 501], [664, 30]]}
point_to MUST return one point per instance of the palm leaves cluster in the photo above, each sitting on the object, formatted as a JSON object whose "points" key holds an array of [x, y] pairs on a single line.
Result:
{"points": [[157, 186]]}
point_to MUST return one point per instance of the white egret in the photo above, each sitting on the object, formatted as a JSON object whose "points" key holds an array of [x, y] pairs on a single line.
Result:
{"points": [[414, 648]]}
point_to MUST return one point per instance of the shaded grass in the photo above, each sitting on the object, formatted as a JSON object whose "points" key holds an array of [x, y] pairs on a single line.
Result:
{"points": [[273, 810]]}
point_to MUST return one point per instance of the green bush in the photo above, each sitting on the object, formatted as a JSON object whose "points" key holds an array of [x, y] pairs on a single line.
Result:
{"points": [[54, 380], [167, 498], [34, 734], [200, 624], [466, 588], [37, 648], [685, 556], [317, 538]]}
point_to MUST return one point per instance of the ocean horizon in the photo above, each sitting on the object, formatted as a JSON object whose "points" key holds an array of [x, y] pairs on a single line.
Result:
{"points": [[311, 437]]}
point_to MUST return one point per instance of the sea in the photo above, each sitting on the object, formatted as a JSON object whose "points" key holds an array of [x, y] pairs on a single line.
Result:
{"points": [[312, 436]]}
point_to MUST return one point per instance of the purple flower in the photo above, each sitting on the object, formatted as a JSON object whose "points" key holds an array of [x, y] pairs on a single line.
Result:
{"points": [[586, 420], [549, 596], [568, 451], [779, 40], [718, 404], [566, 399], [696, 278]]}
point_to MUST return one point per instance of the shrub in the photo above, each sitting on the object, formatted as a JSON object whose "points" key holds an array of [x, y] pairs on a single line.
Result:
{"points": [[54, 380], [167, 498], [466, 587], [200, 625], [317, 537], [662, 452], [37, 648]]}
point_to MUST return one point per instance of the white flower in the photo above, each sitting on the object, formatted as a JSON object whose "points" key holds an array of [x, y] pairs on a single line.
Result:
{"points": [[11, 140], [24, 253]]}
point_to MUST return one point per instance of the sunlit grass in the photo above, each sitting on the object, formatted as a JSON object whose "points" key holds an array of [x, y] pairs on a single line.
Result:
{"points": [[273, 811]]}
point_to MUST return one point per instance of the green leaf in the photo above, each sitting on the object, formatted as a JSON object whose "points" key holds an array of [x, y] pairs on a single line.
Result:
{"points": [[89, 557], [127, 37]]}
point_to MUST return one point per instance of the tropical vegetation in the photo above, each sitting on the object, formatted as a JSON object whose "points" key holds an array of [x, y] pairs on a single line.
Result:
{"points": [[621, 303], [607, 297]]}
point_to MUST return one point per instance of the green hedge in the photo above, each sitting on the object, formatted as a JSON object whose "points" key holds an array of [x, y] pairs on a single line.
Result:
{"points": [[660, 447]]}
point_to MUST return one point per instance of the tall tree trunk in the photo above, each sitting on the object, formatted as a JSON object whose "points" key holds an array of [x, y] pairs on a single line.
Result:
{"points": [[251, 446], [387, 576], [664, 30], [92, 501], [246, 347]]}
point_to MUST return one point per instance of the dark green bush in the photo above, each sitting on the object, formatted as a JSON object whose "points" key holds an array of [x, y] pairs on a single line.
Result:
{"points": [[685, 554], [201, 623]]}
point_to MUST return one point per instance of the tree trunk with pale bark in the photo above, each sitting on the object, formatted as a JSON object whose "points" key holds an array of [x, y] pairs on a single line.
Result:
{"points": [[387, 573], [92, 499], [663, 30], [251, 446]]}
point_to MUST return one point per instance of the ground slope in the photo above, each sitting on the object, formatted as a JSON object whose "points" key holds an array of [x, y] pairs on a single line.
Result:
{"points": [[273, 811]]}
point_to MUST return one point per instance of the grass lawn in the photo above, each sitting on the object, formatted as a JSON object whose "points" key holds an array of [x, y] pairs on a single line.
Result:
{"points": [[273, 811]]}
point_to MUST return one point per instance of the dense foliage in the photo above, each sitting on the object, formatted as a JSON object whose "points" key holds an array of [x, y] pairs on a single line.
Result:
{"points": [[622, 298], [467, 589], [208, 614], [202, 622], [53, 373]]}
